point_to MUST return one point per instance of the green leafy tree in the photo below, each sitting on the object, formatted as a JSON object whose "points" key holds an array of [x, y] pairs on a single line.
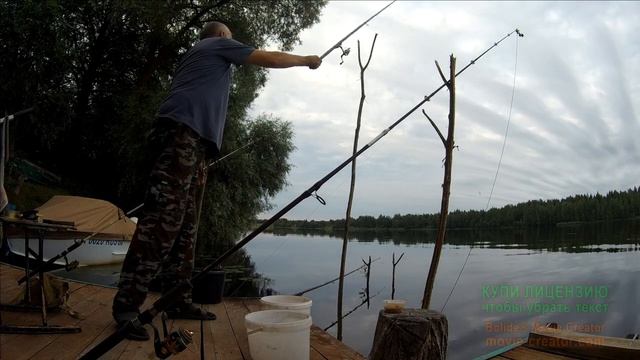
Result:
{"points": [[244, 183], [96, 72]]}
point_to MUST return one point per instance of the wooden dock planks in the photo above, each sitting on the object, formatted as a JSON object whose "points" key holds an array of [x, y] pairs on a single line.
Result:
{"points": [[48, 346], [236, 310], [555, 344], [330, 347], [224, 339], [526, 353], [224, 344]]}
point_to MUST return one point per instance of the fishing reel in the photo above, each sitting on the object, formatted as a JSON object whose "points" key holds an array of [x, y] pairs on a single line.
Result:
{"points": [[173, 343]]}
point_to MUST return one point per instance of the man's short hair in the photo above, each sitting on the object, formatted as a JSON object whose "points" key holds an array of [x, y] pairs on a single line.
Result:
{"points": [[211, 28]]}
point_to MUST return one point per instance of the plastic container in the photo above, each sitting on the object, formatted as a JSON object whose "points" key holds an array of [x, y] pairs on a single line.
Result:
{"points": [[210, 289], [394, 306], [278, 334], [299, 304]]}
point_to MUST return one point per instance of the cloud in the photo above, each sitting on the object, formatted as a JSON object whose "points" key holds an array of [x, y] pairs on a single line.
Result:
{"points": [[574, 119]]}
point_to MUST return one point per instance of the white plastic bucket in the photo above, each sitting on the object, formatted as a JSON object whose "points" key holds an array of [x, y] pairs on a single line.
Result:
{"points": [[278, 334], [299, 304]]}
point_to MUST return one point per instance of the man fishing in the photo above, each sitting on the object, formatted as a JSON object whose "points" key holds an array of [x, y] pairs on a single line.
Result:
{"points": [[188, 128]]}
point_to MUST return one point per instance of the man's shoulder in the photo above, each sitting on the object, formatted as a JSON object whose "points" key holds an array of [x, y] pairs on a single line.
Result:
{"points": [[229, 50], [219, 42]]}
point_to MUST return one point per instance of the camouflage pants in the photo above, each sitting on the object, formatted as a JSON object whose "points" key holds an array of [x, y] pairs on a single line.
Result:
{"points": [[165, 235]]}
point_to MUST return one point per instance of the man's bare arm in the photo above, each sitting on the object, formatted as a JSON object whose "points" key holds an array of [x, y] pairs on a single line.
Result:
{"points": [[277, 59]]}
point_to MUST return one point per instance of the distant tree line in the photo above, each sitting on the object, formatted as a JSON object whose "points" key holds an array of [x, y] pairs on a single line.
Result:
{"points": [[579, 208]]}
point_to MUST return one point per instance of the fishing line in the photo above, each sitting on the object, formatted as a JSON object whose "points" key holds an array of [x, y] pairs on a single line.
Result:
{"points": [[335, 46], [320, 201], [230, 154], [285, 239], [355, 308], [338, 45], [147, 316], [264, 262], [495, 178], [79, 242]]}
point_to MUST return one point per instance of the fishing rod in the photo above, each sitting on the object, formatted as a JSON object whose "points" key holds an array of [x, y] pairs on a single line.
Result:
{"points": [[364, 301], [339, 43], [231, 153], [300, 293], [77, 243], [174, 294]]}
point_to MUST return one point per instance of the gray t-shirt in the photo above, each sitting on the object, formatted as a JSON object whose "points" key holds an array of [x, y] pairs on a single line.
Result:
{"points": [[200, 89]]}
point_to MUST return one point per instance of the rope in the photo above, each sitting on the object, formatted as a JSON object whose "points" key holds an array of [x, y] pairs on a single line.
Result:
{"points": [[495, 178]]}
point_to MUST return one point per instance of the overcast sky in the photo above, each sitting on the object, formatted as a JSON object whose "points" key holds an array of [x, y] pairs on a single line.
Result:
{"points": [[574, 122]]}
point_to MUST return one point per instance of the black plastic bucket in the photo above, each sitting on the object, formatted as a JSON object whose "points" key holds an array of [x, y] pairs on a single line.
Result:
{"points": [[209, 289]]}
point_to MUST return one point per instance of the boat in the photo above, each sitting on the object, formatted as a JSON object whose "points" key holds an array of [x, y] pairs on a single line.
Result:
{"points": [[113, 231], [552, 343]]}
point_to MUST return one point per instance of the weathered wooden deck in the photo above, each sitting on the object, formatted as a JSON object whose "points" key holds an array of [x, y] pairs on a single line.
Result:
{"points": [[524, 352], [554, 344], [224, 339]]}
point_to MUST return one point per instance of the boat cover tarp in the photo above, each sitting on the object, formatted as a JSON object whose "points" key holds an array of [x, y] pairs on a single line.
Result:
{"points": [[89, 215]]}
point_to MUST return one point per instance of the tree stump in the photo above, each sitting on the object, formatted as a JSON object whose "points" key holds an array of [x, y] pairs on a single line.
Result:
{"points": [[413, 334]]}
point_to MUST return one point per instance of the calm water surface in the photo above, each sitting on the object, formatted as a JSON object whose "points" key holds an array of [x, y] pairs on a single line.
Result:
{"points": [[504, 267]]}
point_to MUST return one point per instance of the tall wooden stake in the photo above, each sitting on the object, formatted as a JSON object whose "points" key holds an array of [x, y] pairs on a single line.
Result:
{"points": [[428, 328], [347, 219], [446, 186]]}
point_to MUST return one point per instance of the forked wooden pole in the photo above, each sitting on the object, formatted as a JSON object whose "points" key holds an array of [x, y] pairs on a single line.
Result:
{"points": [[446, 185], [347, 218]]}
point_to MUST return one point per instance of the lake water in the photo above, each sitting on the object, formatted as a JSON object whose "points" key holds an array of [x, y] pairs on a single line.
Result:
{"points": [[584, 278]]}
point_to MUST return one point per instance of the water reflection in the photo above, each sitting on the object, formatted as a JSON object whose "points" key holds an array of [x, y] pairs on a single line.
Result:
{"points": [[612, 236], [241, 278], [602, 254]]}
